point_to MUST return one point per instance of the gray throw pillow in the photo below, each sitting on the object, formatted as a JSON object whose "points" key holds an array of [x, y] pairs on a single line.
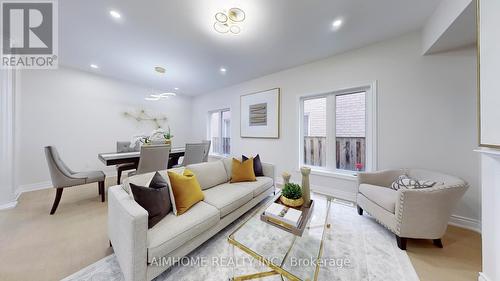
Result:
{"points": [[155, 199], [406, 182]]}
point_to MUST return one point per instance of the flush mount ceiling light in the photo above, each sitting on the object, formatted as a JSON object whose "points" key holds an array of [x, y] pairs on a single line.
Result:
{"points": [[115, 14], [227, 21], [157, 97], [223, 70], [160, 70], [94, 66]]}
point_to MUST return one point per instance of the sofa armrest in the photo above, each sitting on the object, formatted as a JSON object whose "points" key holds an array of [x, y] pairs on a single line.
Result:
{"points": [[424, 213], [380, 178], [127, 231], [269, 170]]}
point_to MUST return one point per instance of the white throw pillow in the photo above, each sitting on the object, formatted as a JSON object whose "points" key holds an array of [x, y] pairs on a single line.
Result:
{"points": [[406, 182]]}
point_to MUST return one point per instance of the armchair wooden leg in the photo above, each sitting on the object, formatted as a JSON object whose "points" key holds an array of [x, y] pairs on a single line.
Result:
{"points": [[59, 192], [360, 210], [438, 243], [401, 242], [118, 176], [102, 191]]}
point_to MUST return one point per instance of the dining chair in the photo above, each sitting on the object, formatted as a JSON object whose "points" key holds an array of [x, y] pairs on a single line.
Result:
{"points": [[62, 176], [153, 158], [194, 153], [122, 147], [207, 143]]}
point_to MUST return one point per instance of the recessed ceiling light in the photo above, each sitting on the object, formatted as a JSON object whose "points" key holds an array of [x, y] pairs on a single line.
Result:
{"points": [[223, 69], [176, 88], [337, 24], [115, 14], [94, 66]]}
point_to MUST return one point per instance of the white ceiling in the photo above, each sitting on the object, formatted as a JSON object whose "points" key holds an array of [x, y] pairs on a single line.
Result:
{"points": [[178, 35]]}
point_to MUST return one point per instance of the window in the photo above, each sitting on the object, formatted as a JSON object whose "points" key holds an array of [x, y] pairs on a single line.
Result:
{"points": [[337, 132], [315, 132], [219, 131]]}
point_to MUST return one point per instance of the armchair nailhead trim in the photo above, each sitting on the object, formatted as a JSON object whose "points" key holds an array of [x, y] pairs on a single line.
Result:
{"points": [[399, 217]]}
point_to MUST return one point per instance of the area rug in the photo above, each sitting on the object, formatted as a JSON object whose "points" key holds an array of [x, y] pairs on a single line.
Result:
{"points": [[362, 249]]}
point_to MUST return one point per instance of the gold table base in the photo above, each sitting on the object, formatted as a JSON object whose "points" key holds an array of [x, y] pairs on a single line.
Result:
{"points": [[256, 275]]}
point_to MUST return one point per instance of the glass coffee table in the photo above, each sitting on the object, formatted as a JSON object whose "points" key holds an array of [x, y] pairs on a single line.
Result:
{"points": [[292, 257]]}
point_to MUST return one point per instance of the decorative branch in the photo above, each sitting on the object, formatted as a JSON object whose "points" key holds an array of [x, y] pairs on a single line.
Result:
{"points": [[143, 116]]}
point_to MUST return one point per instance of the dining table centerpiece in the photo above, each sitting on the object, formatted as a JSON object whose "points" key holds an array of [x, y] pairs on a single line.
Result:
{"points": [[158, 136]]}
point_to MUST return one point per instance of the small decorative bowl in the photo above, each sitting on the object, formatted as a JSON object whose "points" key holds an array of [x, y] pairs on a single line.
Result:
{"points": [[294, 203]]}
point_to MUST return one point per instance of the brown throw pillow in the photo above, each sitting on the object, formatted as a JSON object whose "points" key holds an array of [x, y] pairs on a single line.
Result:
{"points": [[257, 165], [155, 199], [242, 171]]}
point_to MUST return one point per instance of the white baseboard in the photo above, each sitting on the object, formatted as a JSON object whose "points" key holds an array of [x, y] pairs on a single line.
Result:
{"points": [[33, 186], [9, 205], [482, 277], [468, 223], [340, 194]]}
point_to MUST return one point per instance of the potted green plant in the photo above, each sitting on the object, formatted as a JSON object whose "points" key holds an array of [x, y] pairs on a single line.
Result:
{"points": [[291, 195]]}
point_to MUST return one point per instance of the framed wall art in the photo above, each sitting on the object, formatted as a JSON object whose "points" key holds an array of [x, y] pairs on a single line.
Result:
{"points": [[260, 114]]}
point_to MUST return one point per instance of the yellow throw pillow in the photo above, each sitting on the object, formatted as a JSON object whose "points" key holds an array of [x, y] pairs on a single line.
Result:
{"points": [[242, 171], [186, 189]]}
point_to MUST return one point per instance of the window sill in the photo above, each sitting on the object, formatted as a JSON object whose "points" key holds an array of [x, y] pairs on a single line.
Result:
{"points": [[334, 174]]}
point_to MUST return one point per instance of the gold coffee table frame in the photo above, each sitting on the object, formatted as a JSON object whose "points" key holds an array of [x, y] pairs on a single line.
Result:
{"points": [[277, 269]]}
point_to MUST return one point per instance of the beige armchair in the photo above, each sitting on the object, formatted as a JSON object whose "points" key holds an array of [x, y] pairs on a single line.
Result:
{"points": [[410, 213]]}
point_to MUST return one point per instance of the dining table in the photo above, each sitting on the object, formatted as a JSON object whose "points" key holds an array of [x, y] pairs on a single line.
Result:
{"points": [[115, 158]]}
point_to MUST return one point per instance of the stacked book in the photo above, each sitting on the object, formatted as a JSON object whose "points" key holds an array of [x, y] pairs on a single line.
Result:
{"points": [[283, 215]]}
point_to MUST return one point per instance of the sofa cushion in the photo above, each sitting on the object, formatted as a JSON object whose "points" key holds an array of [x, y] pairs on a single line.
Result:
{"points": [[142, 180], [259, 186], [174, 231], [383, 196], [228, 162], [155, 199], [242, 170], [185, 189], [257, 165], [228, 197], [209, 174]]}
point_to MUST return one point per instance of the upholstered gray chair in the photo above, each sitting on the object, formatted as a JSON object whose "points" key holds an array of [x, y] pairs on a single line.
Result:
{"points": [[62, 176], [121, 147], [207, 143], [421, 213], [194, 153], [153, 158]]}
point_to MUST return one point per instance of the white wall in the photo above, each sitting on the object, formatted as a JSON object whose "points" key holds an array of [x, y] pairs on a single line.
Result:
{"points": [[443, 19], [490, 114], [426, 111], [82, 115], [7, 126]]}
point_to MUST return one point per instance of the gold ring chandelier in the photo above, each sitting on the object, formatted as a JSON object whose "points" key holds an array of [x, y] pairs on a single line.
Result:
{"points": [[227, 21]]}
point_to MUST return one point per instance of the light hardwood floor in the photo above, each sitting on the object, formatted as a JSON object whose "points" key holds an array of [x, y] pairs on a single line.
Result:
{"points": [[36, 246]]}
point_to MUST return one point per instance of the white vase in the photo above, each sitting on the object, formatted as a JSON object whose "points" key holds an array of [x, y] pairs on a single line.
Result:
{"points": [[306, 191]]}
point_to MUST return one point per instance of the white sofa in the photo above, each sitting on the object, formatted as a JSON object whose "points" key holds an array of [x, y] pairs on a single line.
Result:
{"points": [[410, 213], [145, 253]]}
